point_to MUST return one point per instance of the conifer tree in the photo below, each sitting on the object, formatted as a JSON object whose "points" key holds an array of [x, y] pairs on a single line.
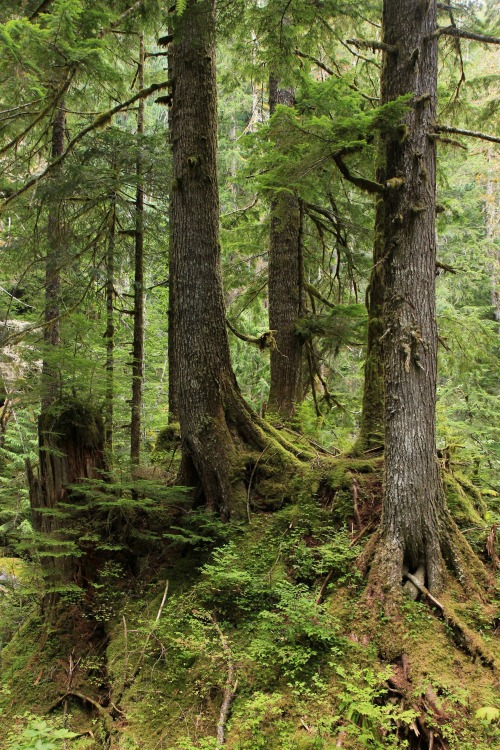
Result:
{"points": [[285, 272]]}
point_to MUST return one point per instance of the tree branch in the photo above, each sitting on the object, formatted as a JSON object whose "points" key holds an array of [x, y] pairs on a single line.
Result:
{"points": [[100, 121], [469, 133], [317, 294], [121, 18], [369, 185], [373, 44], [45, 111], [265, 341], [462, 34], [331, 72], [41, 9]]}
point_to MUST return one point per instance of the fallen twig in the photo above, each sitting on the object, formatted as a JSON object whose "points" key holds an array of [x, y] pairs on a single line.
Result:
{"points": [[231, 685]]}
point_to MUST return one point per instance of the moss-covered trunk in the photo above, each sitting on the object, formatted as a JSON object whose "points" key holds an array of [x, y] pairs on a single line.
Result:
{"points": [[71, 449]]}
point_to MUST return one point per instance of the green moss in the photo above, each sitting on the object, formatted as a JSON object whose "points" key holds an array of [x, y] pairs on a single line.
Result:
{"points": [[302, 667], [76, 421], [168, 439], [464, 500]]}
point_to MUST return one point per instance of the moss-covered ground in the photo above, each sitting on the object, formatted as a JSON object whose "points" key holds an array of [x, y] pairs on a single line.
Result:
{"points": [[260, 630]]}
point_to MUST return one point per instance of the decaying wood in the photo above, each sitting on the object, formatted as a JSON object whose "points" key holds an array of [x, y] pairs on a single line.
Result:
{"points": [[230, 687]]}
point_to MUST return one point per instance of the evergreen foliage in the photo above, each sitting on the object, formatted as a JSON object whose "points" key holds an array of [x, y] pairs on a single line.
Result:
{"points": [[167, 615]]}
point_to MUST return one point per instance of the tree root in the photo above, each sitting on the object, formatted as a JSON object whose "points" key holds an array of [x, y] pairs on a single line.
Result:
{"points": [[463, 637], [104, 714]]}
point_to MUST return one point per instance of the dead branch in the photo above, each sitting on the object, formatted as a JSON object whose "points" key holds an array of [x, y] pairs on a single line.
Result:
{"points": [[355, 497], [121, 18], [461, 634], [231, 684], [325, 583], [127, 682], [103, 713], [251, 479], [468, 133], [373, 44], [463, 34]]}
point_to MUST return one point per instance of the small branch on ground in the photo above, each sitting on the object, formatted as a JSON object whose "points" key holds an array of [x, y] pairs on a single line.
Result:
{"points": [[231, 685]]}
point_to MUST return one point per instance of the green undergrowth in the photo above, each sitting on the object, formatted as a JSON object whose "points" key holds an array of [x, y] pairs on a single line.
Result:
{"points": [[271, 612]]}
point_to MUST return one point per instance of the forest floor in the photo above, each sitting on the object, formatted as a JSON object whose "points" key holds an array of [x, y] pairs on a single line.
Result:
{"points": [[251, 635]]}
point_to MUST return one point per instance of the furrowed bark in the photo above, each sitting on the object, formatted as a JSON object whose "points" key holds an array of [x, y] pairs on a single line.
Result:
{"points": [[284, 286], [413, 531], [138, 345]]}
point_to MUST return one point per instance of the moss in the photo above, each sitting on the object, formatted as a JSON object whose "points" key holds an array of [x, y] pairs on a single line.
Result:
{"points": [[168, 438], [464, 500], [294, 692], [76, 421]]}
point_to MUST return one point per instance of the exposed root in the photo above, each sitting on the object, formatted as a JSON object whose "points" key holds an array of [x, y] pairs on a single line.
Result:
{"points": [[104, 714]]}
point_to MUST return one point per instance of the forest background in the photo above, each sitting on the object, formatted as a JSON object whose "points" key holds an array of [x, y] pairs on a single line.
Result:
{"points": [[94, 640]]}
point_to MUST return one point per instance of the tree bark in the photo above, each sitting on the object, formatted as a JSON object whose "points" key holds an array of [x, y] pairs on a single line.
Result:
{"points": [[206, 387], [285, 275], [138, 345], [371, 429], [173, 400], [110, 331], [51, 334], [413, 528], [215, 421]]}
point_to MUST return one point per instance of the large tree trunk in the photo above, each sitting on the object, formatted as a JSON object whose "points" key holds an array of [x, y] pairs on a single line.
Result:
{"points": [[51, 332], [138, 346], [214, 419], [173, 402], [413, 531], [285, 276], [205, 382]]}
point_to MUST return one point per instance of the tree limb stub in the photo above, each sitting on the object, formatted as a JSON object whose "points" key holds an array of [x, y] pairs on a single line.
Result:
{"points": [[265, 341], [373, 44], [468, 133], [369, 185]]}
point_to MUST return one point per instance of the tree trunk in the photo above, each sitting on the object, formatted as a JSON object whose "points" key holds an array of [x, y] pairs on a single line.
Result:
{"points": [[285, 275], [413, 530], [214, 419], [490, 209], [70, 435], [371, 429], [71, 449], [110, 331], [138, 346], [51, 333], [173, 400]]}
